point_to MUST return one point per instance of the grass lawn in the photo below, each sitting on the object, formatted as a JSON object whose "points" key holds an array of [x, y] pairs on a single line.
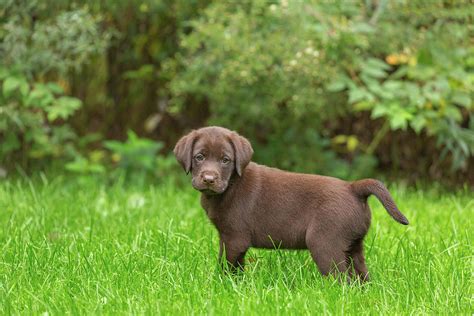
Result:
{"points": [[86, 247]]}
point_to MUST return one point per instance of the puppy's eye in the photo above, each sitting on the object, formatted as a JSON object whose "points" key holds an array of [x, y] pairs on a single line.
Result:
{"points": [[199, 157], [225, 160]]}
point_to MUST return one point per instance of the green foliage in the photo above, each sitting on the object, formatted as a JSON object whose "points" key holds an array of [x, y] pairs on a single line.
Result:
{"points": [[136, 154], [28, 117], [58, 43], [126, 87], [427, 87], [292, 68], [330, 87], [35, 58], [83, 165], [136, 159]]}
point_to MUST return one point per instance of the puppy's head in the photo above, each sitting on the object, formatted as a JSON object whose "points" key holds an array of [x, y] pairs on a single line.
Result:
{"points": [[213, 155]]}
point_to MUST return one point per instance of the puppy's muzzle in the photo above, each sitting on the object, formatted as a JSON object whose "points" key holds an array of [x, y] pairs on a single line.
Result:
{"points": [[210, 183], [209, 179]]}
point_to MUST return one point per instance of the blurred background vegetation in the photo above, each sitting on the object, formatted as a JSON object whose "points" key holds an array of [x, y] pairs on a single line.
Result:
{"points": [[343, 88]]}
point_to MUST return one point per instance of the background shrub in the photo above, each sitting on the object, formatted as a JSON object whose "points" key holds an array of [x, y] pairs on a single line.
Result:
{"points": [[343, 88], [38, 52], [285, 72]]}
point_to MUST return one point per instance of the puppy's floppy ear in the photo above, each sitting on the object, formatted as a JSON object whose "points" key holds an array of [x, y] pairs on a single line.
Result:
{"points": [[184, 150], [243, 152]]}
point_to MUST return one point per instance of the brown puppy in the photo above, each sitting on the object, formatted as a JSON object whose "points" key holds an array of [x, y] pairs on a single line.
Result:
{"points": [[256, 206]]}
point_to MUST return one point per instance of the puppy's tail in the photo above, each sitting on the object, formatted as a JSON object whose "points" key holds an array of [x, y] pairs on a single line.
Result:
{"points": [[366, 187]]}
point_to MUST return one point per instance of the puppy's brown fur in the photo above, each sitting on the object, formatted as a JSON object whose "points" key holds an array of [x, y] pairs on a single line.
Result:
{"points": [[256, 206]]}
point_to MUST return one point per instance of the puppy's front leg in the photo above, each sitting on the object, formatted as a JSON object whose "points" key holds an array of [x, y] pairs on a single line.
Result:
{"points": [[234, 249]]}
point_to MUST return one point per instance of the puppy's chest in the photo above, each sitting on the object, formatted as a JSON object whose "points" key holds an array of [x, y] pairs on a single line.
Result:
{"points": [[221, 218], [218, 217], [223, 214]]}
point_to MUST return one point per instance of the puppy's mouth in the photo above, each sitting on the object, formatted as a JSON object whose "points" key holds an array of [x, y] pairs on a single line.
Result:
{"points": [[209, 190]]}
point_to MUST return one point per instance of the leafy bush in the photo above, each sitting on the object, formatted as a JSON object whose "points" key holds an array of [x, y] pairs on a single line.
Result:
{"points": [[136, 159], [331, 87], [86, 165], [427, 86], [286, 72], [35, 59], [136, 154], [27, 116]]}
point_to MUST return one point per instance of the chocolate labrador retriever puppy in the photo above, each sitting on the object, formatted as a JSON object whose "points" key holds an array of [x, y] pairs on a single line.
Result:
{"points": [[257, 206]]}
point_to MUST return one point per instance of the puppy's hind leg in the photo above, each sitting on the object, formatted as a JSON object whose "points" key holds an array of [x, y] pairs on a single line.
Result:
{"points": [[328, 251], [356, 253]]}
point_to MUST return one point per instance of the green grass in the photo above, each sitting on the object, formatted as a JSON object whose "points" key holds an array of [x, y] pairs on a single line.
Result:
{"points": [[86, 247]]}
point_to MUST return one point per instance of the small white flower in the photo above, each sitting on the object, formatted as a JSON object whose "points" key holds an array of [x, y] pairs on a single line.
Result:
{"points": [[273, 8], [293, 62], [102, 205], [298, 55], [136, 200]]}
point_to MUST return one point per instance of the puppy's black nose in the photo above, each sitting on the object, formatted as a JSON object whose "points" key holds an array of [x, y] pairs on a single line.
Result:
{"points": [[208, 179]]}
